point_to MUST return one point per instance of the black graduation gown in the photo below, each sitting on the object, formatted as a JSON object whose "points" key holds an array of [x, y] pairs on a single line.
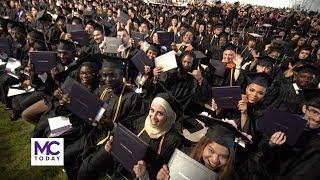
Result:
{"points": [[182, 86], [71, 71], [132, 106], [99, 162], [301, 161], [23, 101], [19, 50], [217, 81], [284, 97], [249, 160]]}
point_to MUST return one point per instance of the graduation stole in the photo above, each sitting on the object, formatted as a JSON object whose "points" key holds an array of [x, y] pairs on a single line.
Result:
{"points": [[115, 117]]}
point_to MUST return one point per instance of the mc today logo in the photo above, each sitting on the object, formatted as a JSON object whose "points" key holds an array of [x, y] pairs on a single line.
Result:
{"points": [[47, 151]]}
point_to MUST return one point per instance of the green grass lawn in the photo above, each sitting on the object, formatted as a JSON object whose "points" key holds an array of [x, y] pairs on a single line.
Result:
{"points": [[15, 152]]}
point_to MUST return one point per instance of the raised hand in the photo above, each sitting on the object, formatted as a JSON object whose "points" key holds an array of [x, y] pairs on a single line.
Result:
{"points": [[237, 60]]}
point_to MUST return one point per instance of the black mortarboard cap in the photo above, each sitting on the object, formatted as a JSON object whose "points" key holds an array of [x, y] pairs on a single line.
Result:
{"points": [[154, 47], [76, 20], [222, 133], [19, 27], [219, 67], [3, 22], [66, 46], [36, 35], [262, 79], [199, 55], [101, 27], [266, 61], [235, 34], [312, 97], [306, 68], [174, 103], [63, 18], [311, 93], [43, 16], [113, 62], [231, 47]]}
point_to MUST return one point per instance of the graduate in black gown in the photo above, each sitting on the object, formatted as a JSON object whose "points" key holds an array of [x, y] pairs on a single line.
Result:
{"points": [[185, 83], [300, 161], [123, 106], [156, 129], [42, 82], [285, 95], [87, 76]]}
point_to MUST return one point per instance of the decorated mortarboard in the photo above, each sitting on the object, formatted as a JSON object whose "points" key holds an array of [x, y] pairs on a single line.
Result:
{"points": [[262, 79]]}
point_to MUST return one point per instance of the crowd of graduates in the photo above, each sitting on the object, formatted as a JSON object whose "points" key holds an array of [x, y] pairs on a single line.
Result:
{"points": [[273, 55]]}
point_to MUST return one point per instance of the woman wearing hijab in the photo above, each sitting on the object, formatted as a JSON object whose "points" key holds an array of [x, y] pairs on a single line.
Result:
{"points": [[215, 151], [156, 129]]}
